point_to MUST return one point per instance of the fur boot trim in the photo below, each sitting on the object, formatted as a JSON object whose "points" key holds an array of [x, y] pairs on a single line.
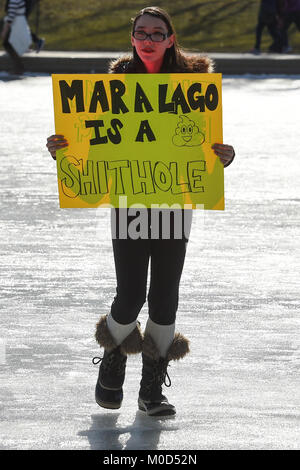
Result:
{"points": [[132, 344], [149, 347], [177, 350], [103, 335]]}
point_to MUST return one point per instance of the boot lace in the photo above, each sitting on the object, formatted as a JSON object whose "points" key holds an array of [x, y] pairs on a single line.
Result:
{"points": [[158, 376], [111, 362]]}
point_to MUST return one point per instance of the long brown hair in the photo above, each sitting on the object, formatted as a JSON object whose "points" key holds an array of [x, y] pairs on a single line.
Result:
{"points": [[174, 59]]}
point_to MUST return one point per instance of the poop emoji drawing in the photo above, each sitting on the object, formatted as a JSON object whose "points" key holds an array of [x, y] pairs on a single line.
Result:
{"points": [[187, 133]]}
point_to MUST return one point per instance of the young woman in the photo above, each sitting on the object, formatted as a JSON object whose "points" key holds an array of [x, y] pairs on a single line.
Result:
{"points": [[155, 50]]}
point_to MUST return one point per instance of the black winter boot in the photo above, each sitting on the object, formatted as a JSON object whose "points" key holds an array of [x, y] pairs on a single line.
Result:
{"points": [[109, 392], [154, 374]]}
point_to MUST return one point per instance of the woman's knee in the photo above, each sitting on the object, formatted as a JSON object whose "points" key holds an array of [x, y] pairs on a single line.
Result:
{"points": [[163, 311], [125, 308]]}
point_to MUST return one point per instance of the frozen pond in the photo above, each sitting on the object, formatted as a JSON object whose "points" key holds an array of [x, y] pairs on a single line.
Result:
{"points": [[239, 304]]}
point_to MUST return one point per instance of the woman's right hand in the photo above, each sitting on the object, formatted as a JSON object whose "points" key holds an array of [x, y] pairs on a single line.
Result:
{"points": [[56, 142]]}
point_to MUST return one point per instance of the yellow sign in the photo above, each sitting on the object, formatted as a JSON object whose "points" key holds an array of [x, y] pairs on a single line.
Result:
{"points": [[141, 138]]}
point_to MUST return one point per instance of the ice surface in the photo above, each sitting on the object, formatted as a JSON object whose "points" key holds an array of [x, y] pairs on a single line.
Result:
{"points": [[239, 303]]}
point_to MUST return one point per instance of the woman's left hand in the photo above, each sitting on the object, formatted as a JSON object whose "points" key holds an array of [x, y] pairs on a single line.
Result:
{"points": [[225, 153]]}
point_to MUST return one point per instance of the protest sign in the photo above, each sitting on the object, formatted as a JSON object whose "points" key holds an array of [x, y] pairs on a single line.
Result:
{"points": [[141, 138]]}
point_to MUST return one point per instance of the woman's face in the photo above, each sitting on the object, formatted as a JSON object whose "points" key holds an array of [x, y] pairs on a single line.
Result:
{"points": [[150, 51]]}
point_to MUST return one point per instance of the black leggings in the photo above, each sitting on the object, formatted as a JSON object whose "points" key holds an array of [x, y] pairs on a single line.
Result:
{"points": [[131, 264]]}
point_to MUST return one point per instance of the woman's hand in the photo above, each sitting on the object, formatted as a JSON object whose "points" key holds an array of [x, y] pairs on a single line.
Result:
{"points": [[56, 142], [226, 153]]}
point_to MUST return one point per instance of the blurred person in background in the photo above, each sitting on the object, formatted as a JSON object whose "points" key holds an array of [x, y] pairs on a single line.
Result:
{"points": [[269, 15], [291, 14], [15, 11], [16, 35]]}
